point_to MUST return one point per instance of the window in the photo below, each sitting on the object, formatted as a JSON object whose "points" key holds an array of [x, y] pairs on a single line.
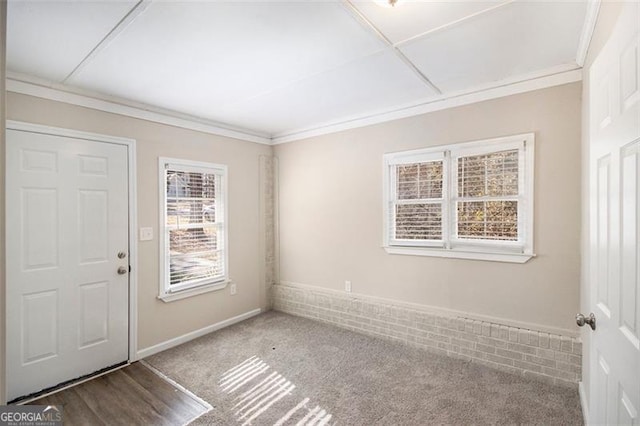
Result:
{"points": [[193, 238], [472, 200]]}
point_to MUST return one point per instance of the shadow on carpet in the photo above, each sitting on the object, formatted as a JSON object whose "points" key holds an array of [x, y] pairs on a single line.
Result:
{"points": [[278, 369]]}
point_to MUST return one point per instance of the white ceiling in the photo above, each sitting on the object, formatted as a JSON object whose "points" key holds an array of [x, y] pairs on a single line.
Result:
{"points": [[280, 68]]}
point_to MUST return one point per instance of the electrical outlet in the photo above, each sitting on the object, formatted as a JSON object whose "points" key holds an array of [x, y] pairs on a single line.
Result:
{"points": [[347, 286], [232, 289]]}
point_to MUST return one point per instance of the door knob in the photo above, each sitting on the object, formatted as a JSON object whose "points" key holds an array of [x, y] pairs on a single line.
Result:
{"points": [[582, 320], [122, 270], [122, 255]]}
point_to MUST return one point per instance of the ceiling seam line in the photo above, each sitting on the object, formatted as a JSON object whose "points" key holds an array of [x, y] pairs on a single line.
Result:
{"points": [[421, 104], [135, 11], [453, 23], [363, 20]]}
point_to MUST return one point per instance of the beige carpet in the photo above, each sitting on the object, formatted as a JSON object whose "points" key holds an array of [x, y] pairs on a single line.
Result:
{"points": [[280, 369]]}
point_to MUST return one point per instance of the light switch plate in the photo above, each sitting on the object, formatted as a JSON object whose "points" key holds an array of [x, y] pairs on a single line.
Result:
{"points": [[146, 234]]}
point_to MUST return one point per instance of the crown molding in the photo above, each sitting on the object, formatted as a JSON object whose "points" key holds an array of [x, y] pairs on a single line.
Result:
{"points": [[556, 76], [32, 86], [593, 9], [27, 85]]}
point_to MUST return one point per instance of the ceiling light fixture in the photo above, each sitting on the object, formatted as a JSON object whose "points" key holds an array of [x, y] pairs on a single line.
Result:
{"points": [[386, 3]]}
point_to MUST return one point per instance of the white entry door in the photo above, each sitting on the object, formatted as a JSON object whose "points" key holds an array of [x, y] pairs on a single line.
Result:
{"points": [[67, 237], [615, 225]]}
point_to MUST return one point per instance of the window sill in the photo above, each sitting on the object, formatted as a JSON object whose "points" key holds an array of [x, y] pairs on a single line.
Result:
{"points": [[461, 254], [183, 294]]}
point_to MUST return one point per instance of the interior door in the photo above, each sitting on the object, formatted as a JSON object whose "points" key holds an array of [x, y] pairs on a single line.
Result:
{"points": [[615, 225], [67, 237]]}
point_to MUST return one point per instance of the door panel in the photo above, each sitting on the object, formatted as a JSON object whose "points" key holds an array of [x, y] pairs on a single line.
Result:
{"points": [[627, 413], [94, 308], [40, 228], [92, 165], [614, 229], [630, 83], [93, 224], [67, 219], [39, 328], [629, 292], [603, 218], [602, 381], [39, 161]]}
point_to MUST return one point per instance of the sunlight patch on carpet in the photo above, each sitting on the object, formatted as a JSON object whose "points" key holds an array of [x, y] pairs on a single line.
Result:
{"points": [[257, 389]]}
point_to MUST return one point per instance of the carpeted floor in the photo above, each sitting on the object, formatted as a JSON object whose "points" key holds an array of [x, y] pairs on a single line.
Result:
{"points": [[280, 369]]}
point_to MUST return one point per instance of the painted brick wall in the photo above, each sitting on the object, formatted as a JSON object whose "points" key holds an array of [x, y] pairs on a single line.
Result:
{"points": [[268, 178], [549, 357]]}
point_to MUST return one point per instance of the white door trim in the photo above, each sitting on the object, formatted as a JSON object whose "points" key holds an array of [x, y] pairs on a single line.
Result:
{"points": [[133, 210]]}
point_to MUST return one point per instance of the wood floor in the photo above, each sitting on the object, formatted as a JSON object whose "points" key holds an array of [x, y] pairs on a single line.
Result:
{"points": [[133, 395]]}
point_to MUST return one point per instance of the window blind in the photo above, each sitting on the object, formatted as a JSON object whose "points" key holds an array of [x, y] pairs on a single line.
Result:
{"points": [[488, 196], [194, 227], [418, 201]]}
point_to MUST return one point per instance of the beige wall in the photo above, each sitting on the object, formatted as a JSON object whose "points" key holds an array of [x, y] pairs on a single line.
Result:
{"points": [[331, 213], [607, 17], [159, 321], [3, 43]]}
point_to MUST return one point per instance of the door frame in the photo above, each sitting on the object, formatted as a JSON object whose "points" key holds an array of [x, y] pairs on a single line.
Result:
{"points": [[133, 212]]}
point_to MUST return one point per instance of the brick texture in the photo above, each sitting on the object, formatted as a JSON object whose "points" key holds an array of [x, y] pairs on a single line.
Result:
{"points": [[548, 357], [267, 206]]}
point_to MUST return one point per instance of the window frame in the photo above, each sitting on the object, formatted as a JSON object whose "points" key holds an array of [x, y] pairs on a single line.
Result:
{"points": [[451, 245], [169, 293], [426, 157]]}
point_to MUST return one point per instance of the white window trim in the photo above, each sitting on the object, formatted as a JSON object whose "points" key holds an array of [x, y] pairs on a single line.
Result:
{"points": [[422, 158], [165, 293], [450, 246]]}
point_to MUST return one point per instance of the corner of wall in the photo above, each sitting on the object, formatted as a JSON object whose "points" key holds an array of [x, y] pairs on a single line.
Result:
{"points": [[268, 228]]}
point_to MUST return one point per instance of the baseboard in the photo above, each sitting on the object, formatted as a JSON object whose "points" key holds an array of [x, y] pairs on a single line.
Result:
{"points": [[168, 344], [584, 403], [530, 352]]}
